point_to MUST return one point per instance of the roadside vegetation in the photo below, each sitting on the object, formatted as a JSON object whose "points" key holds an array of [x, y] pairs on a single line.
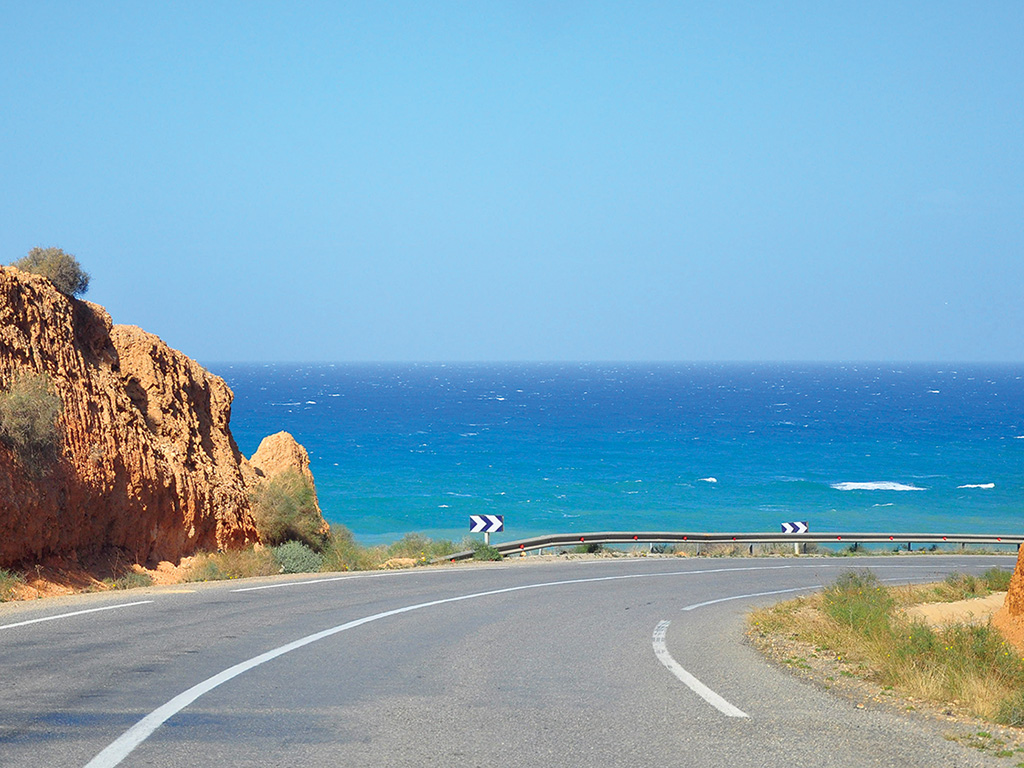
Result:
{"points": [[860, 627], [284, 508], [339, 551], [8, 581], [28, 421]]}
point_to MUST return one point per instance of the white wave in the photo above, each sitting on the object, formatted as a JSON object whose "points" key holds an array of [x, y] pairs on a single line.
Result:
{"points": [[879, 486], [443, 506], [890, 504], [986, 486], [707, 480], [311, 402]]}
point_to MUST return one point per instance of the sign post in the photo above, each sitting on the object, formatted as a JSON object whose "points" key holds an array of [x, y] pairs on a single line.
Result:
{"points": [[800, 527], [487, 524]]}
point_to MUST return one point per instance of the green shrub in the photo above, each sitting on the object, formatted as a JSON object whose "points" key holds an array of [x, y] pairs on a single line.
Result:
{"points": [[963, 586], [421, 548], [343, 553], [62, 269], [133, 580], [296, 557], [997, 579], [483, 551], [284, 508], [857, 600], [233, 564], [593, 549], [28, 420], [8, 581], [1011, 710]]}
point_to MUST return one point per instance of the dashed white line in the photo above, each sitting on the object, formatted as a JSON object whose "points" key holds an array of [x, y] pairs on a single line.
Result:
{"points": [[74, 613], [691, 682]]}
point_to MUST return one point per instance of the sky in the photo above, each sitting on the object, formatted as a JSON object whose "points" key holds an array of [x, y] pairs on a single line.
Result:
{"points": [[534, 181]]}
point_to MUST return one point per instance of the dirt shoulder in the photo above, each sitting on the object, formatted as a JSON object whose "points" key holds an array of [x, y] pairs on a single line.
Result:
{"points": [[827, 669]]}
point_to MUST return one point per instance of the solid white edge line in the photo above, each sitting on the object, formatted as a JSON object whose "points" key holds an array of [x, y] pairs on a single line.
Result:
{"points": [[691, 682], [121, 747], [74, 613], [753, 594], [293, 584]]}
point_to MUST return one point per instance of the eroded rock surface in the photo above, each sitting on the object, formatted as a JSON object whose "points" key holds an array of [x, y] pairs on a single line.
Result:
{"points": [[146, 462]]}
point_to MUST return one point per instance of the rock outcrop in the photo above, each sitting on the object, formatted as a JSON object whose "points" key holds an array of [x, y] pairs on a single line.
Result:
{"points": [[145, 464], [1010, 618], [281, 453]]}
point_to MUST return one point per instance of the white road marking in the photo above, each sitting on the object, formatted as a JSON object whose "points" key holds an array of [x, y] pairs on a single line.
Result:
{"points": [[691, 682], [362, 575], [74, 613], [292, 584], [121, 747], [753, 594]]}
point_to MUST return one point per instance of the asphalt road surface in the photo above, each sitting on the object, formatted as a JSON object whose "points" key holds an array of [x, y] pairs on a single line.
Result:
{"points": [[586, 663]]}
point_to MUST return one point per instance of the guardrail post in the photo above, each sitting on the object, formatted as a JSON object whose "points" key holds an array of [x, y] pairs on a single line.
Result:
{"points": [[910, 546], [796, 548]]}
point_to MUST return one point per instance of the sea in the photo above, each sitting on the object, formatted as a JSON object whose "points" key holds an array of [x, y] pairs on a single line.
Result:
{"points": [[585, 447]]}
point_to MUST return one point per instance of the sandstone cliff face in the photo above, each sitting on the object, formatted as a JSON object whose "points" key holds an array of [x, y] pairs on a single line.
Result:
{"points": [[1010, 618], [146, 462]]}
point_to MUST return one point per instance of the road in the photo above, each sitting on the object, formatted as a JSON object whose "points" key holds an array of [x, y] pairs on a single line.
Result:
{"points": [[586, 663]]}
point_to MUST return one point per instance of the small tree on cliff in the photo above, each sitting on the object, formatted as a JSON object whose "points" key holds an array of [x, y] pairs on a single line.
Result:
{"points": [[61, 268]]}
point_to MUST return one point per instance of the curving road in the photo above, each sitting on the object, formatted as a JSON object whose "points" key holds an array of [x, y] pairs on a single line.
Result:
{"points": [[589, 663]]}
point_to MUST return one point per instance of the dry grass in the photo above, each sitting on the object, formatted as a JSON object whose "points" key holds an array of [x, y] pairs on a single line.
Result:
{"points": [[858, 623], [233, 564]]}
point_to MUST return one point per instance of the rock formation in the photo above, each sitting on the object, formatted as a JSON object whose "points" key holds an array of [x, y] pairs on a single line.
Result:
{"points": [[146, 464], [280, 453], [1010, 618]]}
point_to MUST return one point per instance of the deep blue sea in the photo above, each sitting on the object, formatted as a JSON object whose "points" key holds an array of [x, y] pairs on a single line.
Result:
{"points": [[400, 448]]}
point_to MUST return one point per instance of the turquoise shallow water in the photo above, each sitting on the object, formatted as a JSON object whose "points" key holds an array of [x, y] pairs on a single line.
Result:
{"points": [[586, 447]]}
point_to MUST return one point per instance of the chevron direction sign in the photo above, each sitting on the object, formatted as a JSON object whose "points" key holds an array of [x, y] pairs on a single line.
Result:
{"points": [[486, 523], [794, 527]]}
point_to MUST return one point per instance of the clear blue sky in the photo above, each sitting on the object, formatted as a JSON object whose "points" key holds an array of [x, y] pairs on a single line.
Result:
{"points": [[528, 181]]}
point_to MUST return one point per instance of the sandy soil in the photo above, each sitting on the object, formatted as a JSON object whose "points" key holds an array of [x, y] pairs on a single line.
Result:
{"points": [[977, 610]]}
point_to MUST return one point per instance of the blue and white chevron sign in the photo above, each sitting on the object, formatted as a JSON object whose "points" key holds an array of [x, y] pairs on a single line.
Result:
{"points": [[486, 523], [794, 527]]}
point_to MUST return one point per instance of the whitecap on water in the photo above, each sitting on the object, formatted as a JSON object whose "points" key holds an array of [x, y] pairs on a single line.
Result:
{"points": [[707, 480], [985, 486], [877, 486]]}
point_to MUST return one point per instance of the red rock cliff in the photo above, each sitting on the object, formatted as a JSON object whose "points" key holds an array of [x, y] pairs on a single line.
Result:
{"points": [[146, 462], [1010, 618]]}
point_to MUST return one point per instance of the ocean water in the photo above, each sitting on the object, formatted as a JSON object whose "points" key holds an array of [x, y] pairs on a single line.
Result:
{"points": [[700, 447]]}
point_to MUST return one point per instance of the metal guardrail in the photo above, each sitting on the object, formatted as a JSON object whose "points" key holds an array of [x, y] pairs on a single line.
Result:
{"points": [[750, 539]]}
